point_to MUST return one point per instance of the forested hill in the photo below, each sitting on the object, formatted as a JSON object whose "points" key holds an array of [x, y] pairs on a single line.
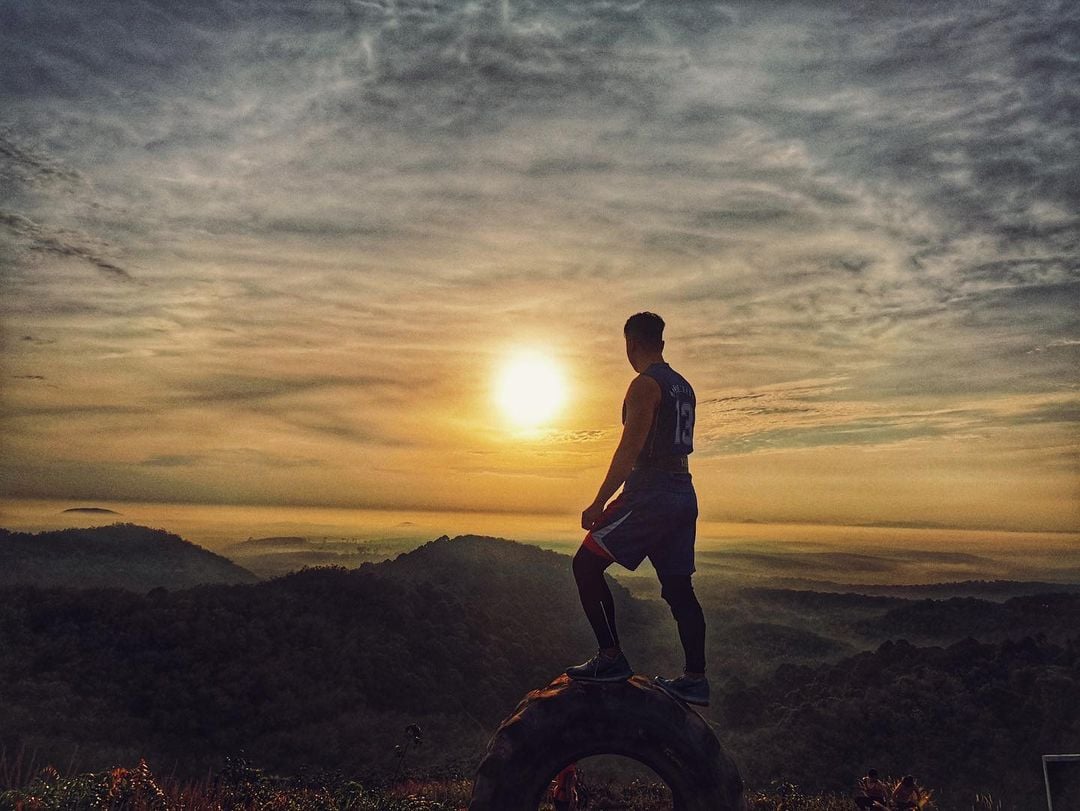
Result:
{"points": [[1056, 616], [326, 667], [967, 718], [497, 570], [120, 555], [323, 667], [983, 589]]}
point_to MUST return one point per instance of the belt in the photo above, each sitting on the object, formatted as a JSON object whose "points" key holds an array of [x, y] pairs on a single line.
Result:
{"points": [[672, 464]]}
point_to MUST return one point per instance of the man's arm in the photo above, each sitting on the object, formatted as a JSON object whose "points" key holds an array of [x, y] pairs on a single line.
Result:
{"points": [[642, 400]]}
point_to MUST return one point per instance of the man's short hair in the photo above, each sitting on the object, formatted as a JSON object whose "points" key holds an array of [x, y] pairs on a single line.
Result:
{"points": [[646, 328]]}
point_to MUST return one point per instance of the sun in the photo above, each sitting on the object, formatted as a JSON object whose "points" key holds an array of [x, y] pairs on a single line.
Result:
{"points": [[530, 389]]}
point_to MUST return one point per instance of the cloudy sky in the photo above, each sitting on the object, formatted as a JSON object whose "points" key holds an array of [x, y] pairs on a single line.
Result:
{"points": [[276, 252]]}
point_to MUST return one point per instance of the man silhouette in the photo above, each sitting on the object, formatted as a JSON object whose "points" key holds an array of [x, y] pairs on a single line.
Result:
{"points": [[655, 515]]}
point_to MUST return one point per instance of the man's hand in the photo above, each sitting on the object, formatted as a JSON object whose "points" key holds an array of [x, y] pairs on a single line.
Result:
{"points": [[591, 515]]}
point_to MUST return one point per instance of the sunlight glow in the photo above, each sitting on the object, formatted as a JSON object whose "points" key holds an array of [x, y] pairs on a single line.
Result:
{"points": [[530, 389]]}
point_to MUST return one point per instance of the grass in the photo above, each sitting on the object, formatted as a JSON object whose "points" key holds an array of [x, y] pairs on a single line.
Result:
{"points": [[241, 787], [238, 787]]}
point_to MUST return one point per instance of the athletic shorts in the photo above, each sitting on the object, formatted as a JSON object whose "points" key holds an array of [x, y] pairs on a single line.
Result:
{"points": [[654, 517]]}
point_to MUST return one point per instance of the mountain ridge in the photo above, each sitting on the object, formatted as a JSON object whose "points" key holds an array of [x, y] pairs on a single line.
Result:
{"points": [[120, 555]]}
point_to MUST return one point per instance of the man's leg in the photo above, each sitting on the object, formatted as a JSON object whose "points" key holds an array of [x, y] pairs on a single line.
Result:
{"points": [[678, 592], [596, 597], [692, 686], [609, 664]]}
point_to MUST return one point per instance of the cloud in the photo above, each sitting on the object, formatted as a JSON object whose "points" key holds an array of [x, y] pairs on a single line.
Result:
{"points": [[39, 238], [859, 220], [556, 437], [830, 413], [243, 389], [228, 458], [24, 165]]}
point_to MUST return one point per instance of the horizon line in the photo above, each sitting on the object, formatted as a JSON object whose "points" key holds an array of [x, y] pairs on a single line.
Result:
{"points": [[880, 524]]}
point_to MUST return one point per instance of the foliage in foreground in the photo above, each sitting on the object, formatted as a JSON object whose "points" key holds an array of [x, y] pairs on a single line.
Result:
{"points": [[241, 787], [789, 797], [238, 787]]}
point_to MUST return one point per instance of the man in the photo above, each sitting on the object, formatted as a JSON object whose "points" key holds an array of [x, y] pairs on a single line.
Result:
{"points": [[655, 515]]}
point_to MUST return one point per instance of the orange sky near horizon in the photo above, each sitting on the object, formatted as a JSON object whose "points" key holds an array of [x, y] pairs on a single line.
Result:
{"points": [[455, 450]]}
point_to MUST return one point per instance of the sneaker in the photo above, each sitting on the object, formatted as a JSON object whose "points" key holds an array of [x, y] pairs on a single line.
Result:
{"points": [[685, 688], [602, 668]]}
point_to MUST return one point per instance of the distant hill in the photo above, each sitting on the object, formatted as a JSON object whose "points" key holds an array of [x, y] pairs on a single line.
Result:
{"points": [[527, 593], [279, 555], [983, 589], [485, 565], [1056, 616], [857, 621], [276, 542], [121, 555]]}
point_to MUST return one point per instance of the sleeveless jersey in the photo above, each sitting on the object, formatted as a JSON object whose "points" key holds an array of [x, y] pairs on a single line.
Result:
{"points": [[672, 431]]}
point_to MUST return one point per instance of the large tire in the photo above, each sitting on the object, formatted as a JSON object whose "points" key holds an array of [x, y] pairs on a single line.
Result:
{"points": [[571, 720]]}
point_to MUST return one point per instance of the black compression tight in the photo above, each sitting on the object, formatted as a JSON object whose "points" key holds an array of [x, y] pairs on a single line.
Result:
{"points": [[595, 596], [679, 595], [676, 590]]}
